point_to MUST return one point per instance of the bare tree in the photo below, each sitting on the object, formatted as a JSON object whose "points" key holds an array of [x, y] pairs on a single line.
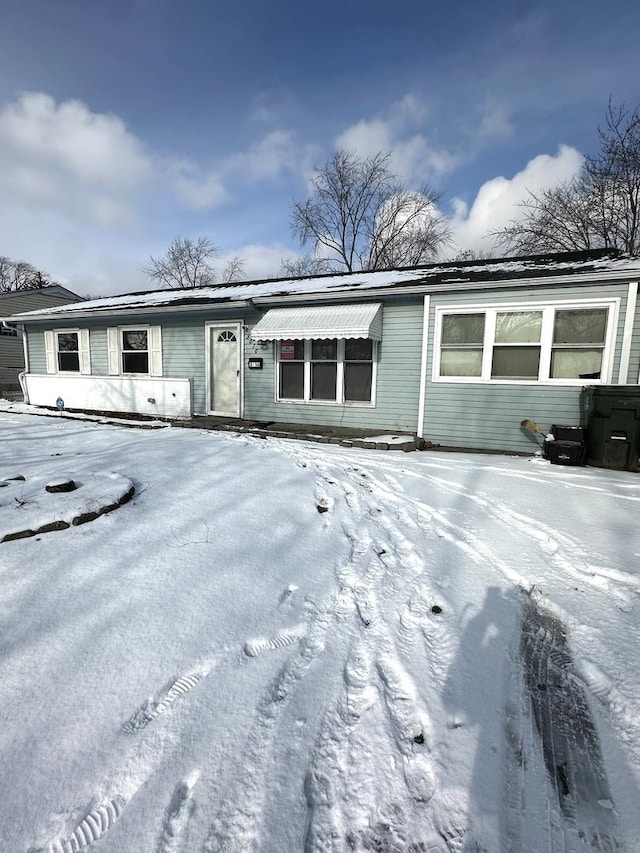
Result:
{"points": [[189, 263], [234, 270], [599, 208], [303, 267], [19, 275], [467, 255], [361, 216]]}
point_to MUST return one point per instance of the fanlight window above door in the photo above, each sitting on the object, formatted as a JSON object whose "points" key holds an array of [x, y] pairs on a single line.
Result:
{"points": [[226, 336]]}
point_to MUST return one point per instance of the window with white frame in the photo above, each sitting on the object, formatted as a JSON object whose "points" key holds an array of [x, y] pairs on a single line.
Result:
{"points": [[568, 343], [134, 350], [329, 370], [67, 351]]}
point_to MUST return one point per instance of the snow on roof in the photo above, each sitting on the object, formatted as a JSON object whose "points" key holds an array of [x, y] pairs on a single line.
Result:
{"points": [[438, 276]]}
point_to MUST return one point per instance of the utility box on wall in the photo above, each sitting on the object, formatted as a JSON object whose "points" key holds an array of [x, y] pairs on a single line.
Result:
{"points": [[613, 431]]}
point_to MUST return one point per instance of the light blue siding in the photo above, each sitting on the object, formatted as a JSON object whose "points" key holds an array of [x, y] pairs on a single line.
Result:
{"points": [[472, 415], [398, 381], [487, 416]]}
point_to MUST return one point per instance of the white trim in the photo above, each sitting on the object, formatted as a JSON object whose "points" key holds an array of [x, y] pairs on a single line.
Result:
{"points": [[50, 351], [423, 366], [154, 350], [547, 307], [113, 357], [630, 315], [84, 351], [239, 328], [26, 352]]}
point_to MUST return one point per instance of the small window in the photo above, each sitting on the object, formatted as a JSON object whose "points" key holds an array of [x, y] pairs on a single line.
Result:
{"points": [[578, 343], [358, 370], [462, 340], [8, 331], [68, 353], [226, 337], [135, 351], [291, 370], [516, 353], [324, 364]]}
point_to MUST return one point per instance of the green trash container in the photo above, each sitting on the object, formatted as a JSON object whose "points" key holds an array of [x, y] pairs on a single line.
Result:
{"points": [[613, 429]]}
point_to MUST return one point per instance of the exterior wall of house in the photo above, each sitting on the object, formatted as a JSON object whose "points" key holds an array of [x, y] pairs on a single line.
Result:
{"points": [[482, 415], [184, 356], [487, 416], [397, 386]]}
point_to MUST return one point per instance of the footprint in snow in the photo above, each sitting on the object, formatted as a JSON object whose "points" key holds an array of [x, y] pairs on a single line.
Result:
{"points": [[258, 645]]}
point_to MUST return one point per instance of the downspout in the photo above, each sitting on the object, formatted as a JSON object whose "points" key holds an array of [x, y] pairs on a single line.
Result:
{"points": [[22, 377], [627, 334], [423, 366]]}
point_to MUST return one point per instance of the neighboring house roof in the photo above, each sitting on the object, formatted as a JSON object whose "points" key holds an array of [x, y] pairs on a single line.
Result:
{"points": [[574, 267], [41, 298]]}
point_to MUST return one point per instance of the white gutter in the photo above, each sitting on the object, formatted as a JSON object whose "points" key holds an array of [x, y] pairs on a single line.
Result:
{"points": [[630, 314], [423, 366], [129, 309]]}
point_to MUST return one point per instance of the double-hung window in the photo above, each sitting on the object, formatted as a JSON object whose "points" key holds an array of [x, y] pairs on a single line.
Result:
{"points": [[134, 350], [67, 351], [564, 343], [328, 370]]}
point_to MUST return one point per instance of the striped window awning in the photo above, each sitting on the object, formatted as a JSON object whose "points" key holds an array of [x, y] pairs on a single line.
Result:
{"points": [[322, 321]]}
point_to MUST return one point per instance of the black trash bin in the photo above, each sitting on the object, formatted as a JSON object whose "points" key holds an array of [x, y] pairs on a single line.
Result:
{"points": [[613, 431]]}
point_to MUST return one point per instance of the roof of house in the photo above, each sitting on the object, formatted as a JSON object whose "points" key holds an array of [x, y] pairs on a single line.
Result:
{"points": [[580, 267]]}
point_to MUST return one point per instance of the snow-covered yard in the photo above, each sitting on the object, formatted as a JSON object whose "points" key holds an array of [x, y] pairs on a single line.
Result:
{"points": [[283, 646]]}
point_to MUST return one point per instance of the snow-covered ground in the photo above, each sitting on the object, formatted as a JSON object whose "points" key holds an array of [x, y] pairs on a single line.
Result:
{"points": [[280, 646]]}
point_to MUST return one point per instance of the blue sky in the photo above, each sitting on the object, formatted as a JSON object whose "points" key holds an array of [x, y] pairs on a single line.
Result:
{"points": [[125, 124]]}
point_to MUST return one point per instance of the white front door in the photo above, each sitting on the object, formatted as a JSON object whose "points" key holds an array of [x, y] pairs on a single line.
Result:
{"points": [[224, 369]]}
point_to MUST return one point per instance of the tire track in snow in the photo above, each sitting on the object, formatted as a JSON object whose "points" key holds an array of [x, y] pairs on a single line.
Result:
{"points": [[567, 553], [566, 735]]}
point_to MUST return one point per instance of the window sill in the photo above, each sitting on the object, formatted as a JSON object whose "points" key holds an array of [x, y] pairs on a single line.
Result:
{"points": [[474, 380], [331, 403]]}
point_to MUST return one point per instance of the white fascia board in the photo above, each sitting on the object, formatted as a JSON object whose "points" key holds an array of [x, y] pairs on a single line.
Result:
{"points": [[130, 310]]}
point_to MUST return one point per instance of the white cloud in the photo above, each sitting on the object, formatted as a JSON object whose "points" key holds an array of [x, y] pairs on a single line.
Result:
{"points": [[195, 187], [495, 121], [277, 153], [497, 200], [259, 261], [413, 157], [64, 158]]}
